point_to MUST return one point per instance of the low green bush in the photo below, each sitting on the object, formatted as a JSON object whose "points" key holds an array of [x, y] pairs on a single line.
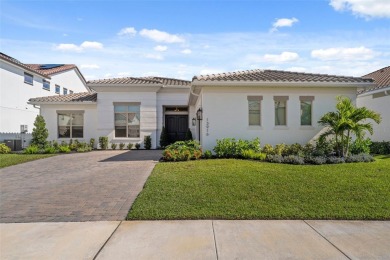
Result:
{"points": [[121, 146], [31, 149], [268, 149], [334, 160], [113, 146], [182, 151], [4, 149], [293, 159], [207, 154], [294, 149], [253, 155], [129, 146], [103, 142], [274, 158], [64, 149], [232, 148], [92, 142], [380, 147], [317, 160], [359, 158], [137, 146], [50, 150]]}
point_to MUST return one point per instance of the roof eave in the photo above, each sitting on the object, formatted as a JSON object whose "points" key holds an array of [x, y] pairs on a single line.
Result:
{"points": [[281, 83], [374, 91], [63, 103], [26, 68]]}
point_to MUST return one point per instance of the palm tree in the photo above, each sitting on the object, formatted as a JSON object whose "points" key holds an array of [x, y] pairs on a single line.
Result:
{"points": [[347, 120]]}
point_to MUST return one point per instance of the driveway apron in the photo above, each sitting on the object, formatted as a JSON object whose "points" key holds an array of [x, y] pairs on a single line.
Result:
{"points": [[94, 186]]}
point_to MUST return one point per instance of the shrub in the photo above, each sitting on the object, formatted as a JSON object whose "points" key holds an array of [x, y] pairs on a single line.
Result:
{"points": [[83, 149], [129, 146], [121, 146], [294, 149], [274, 158], [92, 142], [318, 160], [359, 158], [188, 136], [164, 140], [324, 148], [182, 151], [208, 154], [335, 160], [64, 149], [232, 148], [50, 149], [279, 149], [137, 146], [74, 145], [380, 147], [308, 149], [55, 144], [113, 146], [251, 154], [63, 143], [147, 142], [360, 145], [4, 149], [32, 149], [103, 142], [268, 149], [39, 133], [294, 159]]}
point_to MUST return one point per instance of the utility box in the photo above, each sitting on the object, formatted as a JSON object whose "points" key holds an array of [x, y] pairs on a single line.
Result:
{"points": [[14, 145]]}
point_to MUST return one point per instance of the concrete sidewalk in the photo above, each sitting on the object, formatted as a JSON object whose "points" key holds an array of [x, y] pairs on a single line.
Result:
{"points": [[197, 239]]}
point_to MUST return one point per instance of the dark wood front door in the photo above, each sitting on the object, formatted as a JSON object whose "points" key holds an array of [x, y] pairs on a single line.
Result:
{"points": [[176, 126]]}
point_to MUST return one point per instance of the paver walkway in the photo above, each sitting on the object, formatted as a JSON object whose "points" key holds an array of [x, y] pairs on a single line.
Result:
{"points": [[100, 185], [197, 239]]}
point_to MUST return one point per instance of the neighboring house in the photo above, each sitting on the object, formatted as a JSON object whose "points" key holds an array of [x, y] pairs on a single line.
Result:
{"points": [[20, 81], [276, 106], [378, 99]]}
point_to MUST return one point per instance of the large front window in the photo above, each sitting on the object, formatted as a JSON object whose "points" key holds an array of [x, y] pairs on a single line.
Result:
{"points": [[70, 125], [127, 120]]}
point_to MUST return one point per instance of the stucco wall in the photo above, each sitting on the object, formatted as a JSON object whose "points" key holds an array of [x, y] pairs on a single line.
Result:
{"points": [[49, 113], [382, 106], [68, 79], [225, 113]]}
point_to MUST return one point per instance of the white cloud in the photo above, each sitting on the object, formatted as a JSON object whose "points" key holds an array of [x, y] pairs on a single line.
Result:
{"points": [[186, 51], [297, 69], [358, 53], [283, 57], [210, 71], [123, 74], [160, 36], [128, 31], [91, 45], [70, 47], [364, 8], [154, 56], [160, 48], [283, 22], [89, 66]]}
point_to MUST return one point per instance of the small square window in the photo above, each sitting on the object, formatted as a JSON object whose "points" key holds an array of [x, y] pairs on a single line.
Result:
{"points": [[28, 78], [65, 91], [46, 85], [70, 91], [58, 89]]}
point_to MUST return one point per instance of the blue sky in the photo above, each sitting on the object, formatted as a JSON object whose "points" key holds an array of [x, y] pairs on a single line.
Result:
{"points": [[186, 38]]}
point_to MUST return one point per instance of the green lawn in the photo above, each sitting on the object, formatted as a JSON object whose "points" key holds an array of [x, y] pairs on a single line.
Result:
{"points": [[12, 159], [238, 189]]}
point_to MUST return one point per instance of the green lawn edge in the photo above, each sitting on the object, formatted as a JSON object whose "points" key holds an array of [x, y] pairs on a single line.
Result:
{"points": [[7, 160], [240, 189]]}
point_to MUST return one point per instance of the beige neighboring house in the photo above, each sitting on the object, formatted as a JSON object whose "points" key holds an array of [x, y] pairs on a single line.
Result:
{"points": [[377, 98], [276, 106], [20, 81]]}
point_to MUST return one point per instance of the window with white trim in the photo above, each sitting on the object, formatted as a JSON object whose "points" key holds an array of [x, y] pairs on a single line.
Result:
{"points": [[280, 110], [127, 120], [306, 110], [28, 78], [46, 85], [70, 124], [65, 91], [58, 89], [254, 110]]}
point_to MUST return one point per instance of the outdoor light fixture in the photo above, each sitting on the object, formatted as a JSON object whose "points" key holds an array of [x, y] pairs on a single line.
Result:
{"points": [[194, 121], [199, 114]]}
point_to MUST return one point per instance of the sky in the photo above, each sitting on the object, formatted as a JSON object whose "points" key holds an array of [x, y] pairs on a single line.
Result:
{"points": [[180, 39]]}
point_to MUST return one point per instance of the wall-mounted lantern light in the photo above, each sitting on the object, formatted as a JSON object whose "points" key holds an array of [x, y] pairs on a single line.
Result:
{"points": [[194, 121], [199, 114]]}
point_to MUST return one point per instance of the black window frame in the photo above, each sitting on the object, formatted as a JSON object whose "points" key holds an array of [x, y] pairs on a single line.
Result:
{"points": [[32, 78], [43, 84], [59, 89]]}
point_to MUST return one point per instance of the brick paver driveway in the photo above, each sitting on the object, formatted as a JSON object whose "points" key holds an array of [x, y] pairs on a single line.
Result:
{"points": [[100, 185]]}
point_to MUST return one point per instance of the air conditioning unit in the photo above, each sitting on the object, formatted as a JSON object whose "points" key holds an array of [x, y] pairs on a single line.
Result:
{"points": [[23, 129]]}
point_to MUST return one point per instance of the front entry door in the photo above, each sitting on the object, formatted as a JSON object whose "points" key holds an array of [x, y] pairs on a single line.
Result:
{"points": [[176, 126]]}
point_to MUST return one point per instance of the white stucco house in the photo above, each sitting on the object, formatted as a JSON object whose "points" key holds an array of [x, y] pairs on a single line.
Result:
{"points": [[377, 98], [276, 106], [19, 82]]}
